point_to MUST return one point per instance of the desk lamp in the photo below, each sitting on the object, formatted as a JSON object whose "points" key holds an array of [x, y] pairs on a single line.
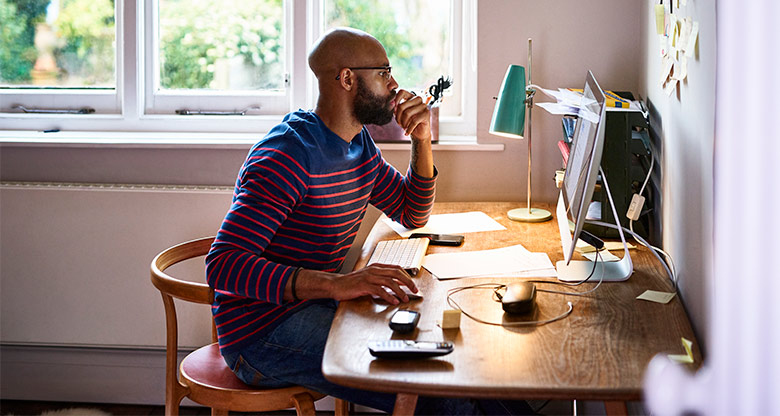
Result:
{"points": [[515, 99]]}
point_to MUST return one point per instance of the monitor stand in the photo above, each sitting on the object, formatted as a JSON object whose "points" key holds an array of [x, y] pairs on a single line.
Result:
{"points": [[607, 271]]}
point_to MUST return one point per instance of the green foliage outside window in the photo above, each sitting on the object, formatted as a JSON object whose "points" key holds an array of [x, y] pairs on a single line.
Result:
{"points": [[17, 34], [378, 19], [197, 36], [88, 54]]}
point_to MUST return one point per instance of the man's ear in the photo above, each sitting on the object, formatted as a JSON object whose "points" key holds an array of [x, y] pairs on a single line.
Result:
{"points": [[347, 79]]}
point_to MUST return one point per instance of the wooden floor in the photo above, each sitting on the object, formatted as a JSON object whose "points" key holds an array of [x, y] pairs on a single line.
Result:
{"points": [[31, 408]]}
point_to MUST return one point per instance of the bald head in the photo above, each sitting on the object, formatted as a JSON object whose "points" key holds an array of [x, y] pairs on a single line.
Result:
{"points": [[344, 47]]}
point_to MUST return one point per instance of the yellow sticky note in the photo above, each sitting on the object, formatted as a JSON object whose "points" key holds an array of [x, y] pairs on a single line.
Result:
{"points": [[583, 247], [656, 296], [605, 256], [684, 359], [659, 19]]}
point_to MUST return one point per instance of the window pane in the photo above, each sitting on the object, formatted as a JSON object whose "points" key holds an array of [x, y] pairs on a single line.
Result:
{"points": [[221, 44], [415, 34], [60, 43]]}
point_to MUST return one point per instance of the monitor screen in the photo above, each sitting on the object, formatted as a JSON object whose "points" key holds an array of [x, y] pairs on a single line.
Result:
{"points": [[579, 181], [583, 164]]}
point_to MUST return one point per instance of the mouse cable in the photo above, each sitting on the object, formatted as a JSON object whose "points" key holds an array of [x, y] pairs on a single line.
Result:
{"points": [[672, 273], [495, 287]]}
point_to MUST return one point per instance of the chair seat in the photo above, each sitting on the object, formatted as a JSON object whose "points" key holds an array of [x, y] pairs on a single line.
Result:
{"points": [[209, 378], [206, 367]]}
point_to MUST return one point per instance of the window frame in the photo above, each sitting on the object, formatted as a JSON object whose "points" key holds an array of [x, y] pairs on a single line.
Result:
{"points": [[128, 108]]}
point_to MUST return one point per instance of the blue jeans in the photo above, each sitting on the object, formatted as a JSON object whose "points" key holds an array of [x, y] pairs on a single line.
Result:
{"points": [[292, 354]]}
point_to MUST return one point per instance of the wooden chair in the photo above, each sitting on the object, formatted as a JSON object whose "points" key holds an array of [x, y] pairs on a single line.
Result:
{"points": [[203, 375]]}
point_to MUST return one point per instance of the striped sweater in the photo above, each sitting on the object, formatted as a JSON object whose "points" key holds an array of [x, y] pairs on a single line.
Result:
{"points": [[299, 199]]}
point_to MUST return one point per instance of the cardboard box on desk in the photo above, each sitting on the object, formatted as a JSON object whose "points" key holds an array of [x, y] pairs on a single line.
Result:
{"points": [[393, 133]]}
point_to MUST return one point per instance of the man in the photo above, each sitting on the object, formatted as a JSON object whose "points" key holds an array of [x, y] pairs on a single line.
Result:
{"points": [[298, 203]]}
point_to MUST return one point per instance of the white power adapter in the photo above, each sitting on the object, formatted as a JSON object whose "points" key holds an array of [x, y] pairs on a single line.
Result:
{"points": [[635, 208]]}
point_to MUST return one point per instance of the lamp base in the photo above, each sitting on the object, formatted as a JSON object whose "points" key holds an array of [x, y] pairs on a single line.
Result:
{"points": [[529, 215]]}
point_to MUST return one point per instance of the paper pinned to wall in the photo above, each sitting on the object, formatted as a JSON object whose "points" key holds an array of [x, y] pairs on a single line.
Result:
{"points": [[685, 33], [666, 67], [690, 48], [457, 223], [670, 86]]}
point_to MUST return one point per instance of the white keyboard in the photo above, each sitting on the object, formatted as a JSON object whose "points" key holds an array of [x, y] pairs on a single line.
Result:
{"points": [[407, 253]]}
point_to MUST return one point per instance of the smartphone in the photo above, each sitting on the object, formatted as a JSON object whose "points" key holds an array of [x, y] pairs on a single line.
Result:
{"points": [[404, 320], [441, 239]]}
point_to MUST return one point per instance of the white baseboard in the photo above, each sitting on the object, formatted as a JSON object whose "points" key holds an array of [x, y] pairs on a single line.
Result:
{"points": [[89, 375]]}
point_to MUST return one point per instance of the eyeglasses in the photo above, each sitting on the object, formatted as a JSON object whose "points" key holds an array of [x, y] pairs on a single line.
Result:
{"points": [[385, 73]]}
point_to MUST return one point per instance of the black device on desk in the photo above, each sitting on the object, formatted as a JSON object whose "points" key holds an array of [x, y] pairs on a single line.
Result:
{"points": [[404, 320], [440, 239], [404, 349]]}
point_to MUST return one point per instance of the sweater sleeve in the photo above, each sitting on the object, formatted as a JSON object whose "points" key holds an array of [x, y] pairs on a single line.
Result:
{"points": [[406, 199], [270, 184]]}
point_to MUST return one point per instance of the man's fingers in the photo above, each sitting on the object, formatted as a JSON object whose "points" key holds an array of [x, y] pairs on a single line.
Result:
{"points": [[393, 272]]}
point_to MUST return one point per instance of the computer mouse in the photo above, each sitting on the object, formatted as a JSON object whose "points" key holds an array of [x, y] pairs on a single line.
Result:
{"points": [[519, 298]]}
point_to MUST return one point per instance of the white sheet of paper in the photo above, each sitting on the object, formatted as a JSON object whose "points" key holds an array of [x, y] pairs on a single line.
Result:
{"points": [[494, 262], [458, 223], [690, 48]]}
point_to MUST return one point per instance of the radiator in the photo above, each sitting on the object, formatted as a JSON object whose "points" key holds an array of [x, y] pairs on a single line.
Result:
{"points": [[76, 257]]}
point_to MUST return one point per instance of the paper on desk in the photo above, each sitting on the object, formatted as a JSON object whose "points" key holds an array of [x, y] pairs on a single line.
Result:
{"points": [[656, 296], [584, 247], [499, 261], [605, 256], [457, 223], [686, 358]]}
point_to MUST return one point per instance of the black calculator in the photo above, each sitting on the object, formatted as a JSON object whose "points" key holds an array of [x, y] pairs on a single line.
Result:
{"points": [[405, 349]]}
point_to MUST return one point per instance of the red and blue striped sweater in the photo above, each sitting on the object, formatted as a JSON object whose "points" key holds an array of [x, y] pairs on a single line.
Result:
{"points": [[299, 199]]}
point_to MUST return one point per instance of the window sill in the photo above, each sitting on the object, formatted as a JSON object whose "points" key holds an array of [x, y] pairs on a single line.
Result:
{"points": [[164, 140]]}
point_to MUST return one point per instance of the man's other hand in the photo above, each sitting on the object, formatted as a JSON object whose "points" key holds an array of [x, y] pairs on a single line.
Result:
{"points": [[413, 115]]}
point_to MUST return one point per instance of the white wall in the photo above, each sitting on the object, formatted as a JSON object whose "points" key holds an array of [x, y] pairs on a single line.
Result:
{"points": [[685, 122]]}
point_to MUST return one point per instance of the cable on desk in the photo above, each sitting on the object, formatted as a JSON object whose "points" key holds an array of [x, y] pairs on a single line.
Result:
{"points": [[670, 272], [498, 286]]}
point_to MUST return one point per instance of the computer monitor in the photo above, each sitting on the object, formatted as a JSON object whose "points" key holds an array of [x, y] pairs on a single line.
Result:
{"points": [[579, 181]]}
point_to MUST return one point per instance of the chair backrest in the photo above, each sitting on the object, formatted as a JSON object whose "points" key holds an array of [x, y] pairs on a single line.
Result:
{"points": [[182, 289], [171, 287]]}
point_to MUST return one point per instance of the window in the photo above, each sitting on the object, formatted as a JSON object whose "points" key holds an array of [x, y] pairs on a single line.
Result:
{"points": [[230, 65]]}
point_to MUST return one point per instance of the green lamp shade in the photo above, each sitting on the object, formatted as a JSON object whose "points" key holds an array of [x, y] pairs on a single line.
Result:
{"points": [[509, 113]]}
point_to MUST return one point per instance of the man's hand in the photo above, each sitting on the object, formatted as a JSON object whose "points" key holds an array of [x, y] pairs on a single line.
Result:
{"points": [[372, 281], [413, 115]]}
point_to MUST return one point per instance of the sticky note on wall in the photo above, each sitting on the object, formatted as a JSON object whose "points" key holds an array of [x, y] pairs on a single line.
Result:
{"points": [[659, 19]]}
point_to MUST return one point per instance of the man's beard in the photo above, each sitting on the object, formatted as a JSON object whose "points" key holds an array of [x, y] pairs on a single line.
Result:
{"points": [[371, 108]]}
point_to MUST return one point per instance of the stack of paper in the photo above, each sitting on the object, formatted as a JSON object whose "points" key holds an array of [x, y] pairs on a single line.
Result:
{"points": [[457, 223], [512, 261]]}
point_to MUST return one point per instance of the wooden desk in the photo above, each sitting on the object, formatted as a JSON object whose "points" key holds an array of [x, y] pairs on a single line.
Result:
{"points": [[599, 352]]}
